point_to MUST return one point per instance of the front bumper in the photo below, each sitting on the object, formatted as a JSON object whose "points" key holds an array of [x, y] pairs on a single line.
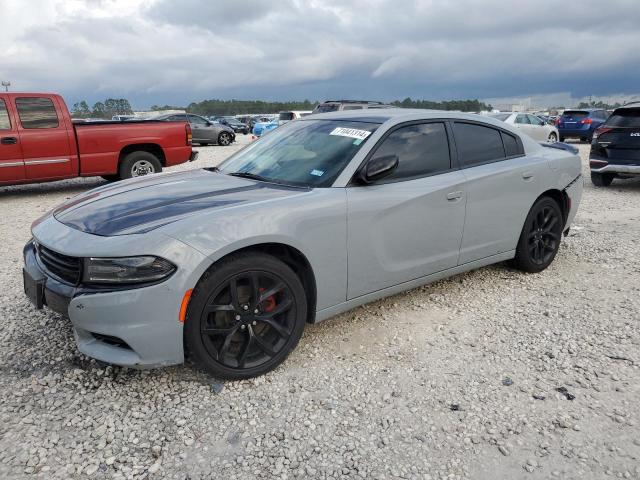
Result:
{"points": [[136, 327]]}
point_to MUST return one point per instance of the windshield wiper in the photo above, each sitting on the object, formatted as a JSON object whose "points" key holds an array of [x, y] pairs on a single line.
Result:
{"points": [[252, 176]]}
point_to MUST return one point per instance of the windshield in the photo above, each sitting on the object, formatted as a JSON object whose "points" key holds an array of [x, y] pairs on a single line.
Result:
{"points": [[575, 114], [331, 107], [626, 117], [500, 116], [308, 153]]}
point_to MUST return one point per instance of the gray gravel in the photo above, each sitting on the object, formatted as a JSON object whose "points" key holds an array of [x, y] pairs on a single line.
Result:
{"points": [[493, 374]]}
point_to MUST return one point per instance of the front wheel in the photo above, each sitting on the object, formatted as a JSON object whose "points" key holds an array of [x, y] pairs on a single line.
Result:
{"points": [[553, 138], [139, 164], [245, 316], [540, 237], [224, 139], [601, 179]]}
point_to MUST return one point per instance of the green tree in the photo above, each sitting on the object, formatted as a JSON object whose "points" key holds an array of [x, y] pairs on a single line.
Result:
{"points": [[80, 110], [99, 110]]}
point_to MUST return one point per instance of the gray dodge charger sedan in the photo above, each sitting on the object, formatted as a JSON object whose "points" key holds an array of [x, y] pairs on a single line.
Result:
{"points": [[226, 265]]}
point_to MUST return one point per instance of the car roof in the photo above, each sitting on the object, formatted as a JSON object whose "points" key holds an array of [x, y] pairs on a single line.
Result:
{"points": [[582, 109], [396, 114]]}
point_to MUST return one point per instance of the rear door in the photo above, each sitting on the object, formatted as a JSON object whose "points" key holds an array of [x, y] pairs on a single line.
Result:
{"points": [[502, 184], [11, 162], [409, 224], [618, 140], [44, 138]]}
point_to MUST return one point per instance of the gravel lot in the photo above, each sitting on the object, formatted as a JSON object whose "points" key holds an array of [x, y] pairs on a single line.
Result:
{"points": [[458, 379]]}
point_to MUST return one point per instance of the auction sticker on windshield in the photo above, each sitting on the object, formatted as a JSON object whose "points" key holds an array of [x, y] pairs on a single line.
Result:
{"points": [[351, 133]]}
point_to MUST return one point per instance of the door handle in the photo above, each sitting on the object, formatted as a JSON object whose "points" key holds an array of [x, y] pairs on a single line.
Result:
{"points": [[527, 175], [454, 195], [8, 140]]}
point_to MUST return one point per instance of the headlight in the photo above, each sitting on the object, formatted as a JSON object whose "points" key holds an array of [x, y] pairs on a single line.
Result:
{"points": [[126, 269]]}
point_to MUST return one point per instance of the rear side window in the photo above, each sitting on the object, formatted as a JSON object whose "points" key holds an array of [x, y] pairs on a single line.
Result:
{"points": [[511, 145], [422, 150], [627, 117], [286, 116], [5, 123], [477, 144], [36, 113]]}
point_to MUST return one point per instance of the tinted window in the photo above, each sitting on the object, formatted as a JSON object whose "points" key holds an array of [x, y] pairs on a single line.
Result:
{"points": [[477, 144], [511, 145], [286, 116], [331, 107], [5, 123], [575, 114], [522, 119], [626, 117], [533, 120], [421, 149], [37, 113], [197, 120], [500, 116], [352, 107]]}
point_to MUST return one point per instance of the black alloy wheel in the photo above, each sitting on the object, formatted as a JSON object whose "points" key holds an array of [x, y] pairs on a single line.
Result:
{"points": [[246, 317], [540, 238]]}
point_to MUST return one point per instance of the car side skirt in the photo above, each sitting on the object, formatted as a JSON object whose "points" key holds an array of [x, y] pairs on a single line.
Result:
{"points": [[402, 287]]}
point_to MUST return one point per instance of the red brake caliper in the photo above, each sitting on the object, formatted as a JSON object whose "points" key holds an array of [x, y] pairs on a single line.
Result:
{"points": [[269, 304]]}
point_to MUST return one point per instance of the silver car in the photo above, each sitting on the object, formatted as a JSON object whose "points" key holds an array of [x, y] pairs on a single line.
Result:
{"points": [[228, 264], [204, 132], [533, 126]]}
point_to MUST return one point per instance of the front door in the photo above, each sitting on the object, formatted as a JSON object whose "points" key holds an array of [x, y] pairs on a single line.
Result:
{"points": [[11, 162], [410, 224], [44, 138]]}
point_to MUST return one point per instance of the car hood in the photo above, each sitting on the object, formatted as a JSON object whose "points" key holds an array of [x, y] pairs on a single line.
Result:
{"points": [[144, 204]]}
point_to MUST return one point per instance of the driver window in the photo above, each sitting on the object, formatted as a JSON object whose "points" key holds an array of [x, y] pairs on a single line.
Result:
{"points": [[535, 120], [422, 150]]}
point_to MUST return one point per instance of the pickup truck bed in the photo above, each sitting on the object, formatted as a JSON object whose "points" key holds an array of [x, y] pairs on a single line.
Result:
{"points": [[40, 142]]}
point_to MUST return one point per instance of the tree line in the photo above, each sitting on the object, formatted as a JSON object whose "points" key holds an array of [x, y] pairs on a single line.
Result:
{"points": [[106, 109], [214, 107], [599, 104]]}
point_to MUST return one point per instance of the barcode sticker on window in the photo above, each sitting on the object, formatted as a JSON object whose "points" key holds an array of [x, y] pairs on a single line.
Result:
{"points": [[351, 133]]}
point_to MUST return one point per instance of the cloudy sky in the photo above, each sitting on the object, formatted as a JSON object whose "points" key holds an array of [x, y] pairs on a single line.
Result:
{"points": [[178, 51]]}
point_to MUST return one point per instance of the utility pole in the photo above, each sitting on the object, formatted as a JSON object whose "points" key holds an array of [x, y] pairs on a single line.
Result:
{"points": [[6, 85]]}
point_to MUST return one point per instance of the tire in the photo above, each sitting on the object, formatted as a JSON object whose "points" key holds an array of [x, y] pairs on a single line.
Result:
{"points": [[553, 138], [138, 164], [601, 179], [238, 342], [540, 237], [583, 139], [224, 139], [111, 178], [562, 139]]}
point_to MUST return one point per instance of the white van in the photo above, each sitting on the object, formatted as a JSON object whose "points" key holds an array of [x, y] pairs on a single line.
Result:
{"points": [[285, 117]]}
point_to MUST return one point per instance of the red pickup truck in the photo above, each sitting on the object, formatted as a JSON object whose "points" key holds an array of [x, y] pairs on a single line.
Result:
{"points": [[39, 142]]}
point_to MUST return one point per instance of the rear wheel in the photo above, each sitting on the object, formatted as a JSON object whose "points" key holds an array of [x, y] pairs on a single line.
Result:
{"points": [[553, 138], [540, 238], [139, 164], [601, 179], [224, 139], [245, 316]]}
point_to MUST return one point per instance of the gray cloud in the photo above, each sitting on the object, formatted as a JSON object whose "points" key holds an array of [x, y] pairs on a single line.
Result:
{"points": [[165, 51]]}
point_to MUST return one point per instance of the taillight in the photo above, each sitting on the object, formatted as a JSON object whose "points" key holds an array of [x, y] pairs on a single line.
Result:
{"points": [[187, 129], [586, 121], [600, 131]]}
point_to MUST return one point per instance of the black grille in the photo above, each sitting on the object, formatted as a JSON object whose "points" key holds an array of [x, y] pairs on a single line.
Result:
{"points": [[68, 269]]}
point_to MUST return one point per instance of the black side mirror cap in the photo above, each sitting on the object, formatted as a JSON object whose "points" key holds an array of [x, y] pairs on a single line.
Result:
{"points": [[378, 168]]}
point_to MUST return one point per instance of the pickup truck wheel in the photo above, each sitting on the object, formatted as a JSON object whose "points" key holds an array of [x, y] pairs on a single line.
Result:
{"points": [[138, 164], [245, 316], [224, 139], [540, 238], [601, 179]]}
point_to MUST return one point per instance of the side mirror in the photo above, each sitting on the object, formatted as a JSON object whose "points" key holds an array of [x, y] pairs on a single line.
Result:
{"points": [[378, 168]]}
